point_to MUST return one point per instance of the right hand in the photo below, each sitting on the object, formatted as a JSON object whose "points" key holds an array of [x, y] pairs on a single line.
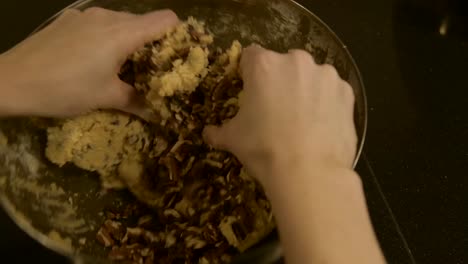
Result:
{"points": [[292, 112]]}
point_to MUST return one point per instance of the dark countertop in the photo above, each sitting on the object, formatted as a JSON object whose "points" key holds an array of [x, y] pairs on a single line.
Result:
{"points": [[416, 153], [417, 141]]}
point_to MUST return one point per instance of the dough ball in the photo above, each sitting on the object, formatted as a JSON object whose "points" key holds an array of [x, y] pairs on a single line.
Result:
{"points": [[98, 142]]}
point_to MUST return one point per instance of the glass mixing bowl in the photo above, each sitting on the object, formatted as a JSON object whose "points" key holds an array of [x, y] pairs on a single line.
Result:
{"points": [[62, 207]]}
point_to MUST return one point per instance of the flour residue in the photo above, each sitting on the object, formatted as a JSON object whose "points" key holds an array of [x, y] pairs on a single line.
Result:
{"points": [[281, 30], [64, 242], [21, 179]]}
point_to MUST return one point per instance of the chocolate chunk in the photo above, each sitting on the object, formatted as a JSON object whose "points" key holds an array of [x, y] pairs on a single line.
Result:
{"points": [[104, 238], [160, 145], [132, 139], [115, 229], [145, 221], [118, 253], [172, 166], [133, 235], [194, 34], [203, 198]]}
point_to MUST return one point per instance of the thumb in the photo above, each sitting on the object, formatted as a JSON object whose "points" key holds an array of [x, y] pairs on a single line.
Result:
{"points": [[217, 137], [125, 98]]}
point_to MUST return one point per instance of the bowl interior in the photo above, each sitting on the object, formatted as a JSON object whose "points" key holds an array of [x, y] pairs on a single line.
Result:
{"points": [[62, 207]]}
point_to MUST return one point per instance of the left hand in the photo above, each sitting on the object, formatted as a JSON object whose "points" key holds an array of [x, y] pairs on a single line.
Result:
{"points": [[71, 66]]}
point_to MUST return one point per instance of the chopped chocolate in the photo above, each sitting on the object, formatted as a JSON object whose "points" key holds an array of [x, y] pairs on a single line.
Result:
{"points": [[132, 235], [118, 253], [205, 209], [172, 166], [115, 229], [104, 237], [145, 221], [160, 145], [151, 237]]}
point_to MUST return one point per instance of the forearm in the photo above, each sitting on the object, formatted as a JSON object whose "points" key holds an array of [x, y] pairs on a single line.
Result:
{"points": [[8, 97], [15, 83], [322, 216]]}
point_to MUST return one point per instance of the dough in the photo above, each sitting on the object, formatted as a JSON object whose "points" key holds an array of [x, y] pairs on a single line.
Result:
{"points": [[99, 142], [102, 141], [199, 193], [178, 64], [185, 76]]}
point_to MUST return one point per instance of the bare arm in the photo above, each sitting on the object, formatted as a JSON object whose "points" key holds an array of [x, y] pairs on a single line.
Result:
{"points": [[323, 220], [295, 134]]}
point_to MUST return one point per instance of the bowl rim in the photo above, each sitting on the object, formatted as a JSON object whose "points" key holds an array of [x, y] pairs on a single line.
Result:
{"points": [[362, 137], [54, 246]]}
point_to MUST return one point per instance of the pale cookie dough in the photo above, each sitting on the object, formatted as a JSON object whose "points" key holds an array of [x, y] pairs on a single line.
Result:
{"points": [[99, 142], [197, 192], [262, 226], [231, 59], [178, 64], [184, 77], [187, 35]]}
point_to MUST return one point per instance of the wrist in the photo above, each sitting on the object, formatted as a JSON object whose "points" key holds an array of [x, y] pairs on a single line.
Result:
{"points": [[299, 173], [298, 190]]}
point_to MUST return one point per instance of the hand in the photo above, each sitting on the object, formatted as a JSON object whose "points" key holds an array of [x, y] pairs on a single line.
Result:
{"points": [[71, 66], [292, 111], [295, 133]]}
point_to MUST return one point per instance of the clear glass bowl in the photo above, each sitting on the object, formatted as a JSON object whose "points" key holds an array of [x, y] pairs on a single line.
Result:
{"points": [[60, 207]]}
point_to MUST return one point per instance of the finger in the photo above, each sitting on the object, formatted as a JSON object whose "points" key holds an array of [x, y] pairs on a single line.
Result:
{"points": [[145, 28], [302, 56], [125, 98], [346, 101], [349, 108], [106, 14], [66, 16], [248, 58], [219, 137], [121, 16], [348, 94], [298, 52]]}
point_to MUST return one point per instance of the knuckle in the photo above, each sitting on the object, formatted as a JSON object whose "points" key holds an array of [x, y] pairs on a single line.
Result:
{"points": [[257, 59], [95, 11], [349, 93], [70, 12], [265, 57], [169, 13], [330, 70], [302, 57], [300, 53], [252, 51]]}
